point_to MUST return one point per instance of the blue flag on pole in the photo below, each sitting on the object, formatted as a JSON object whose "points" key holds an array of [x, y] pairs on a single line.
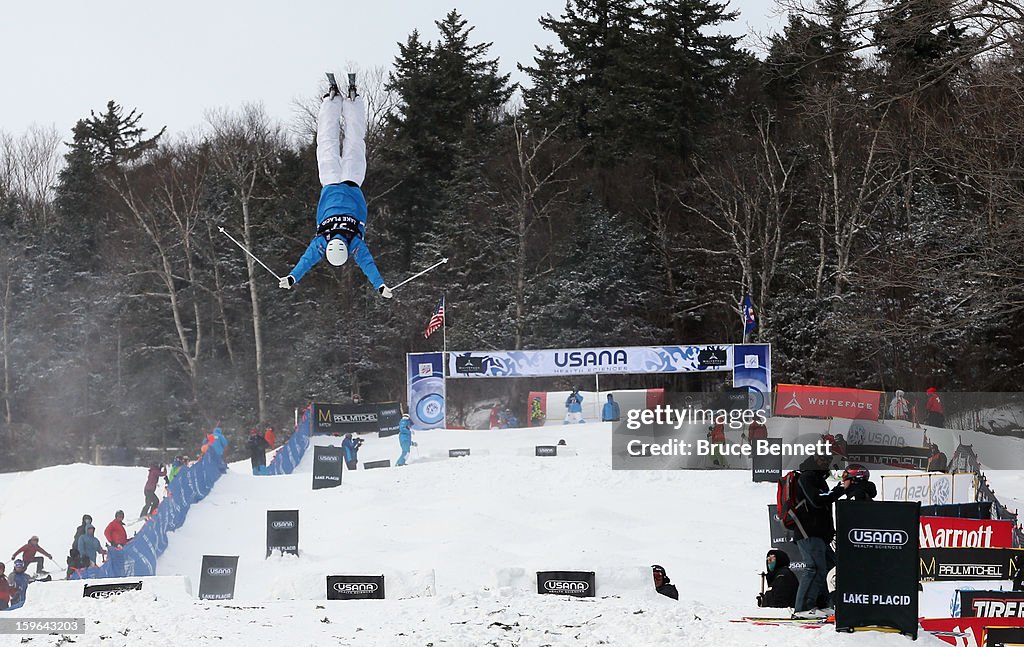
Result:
{"points": [[749, 316]]}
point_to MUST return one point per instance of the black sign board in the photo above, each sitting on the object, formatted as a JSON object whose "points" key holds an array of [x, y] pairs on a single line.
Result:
{"points": [[468, 365], [546, 450], [283, 531], [909, 457], [341, 419], [1004, 636], [355, 587], [766, 467], [217, 581], [784, 539], [991, 604], [876, 548], [107, 590], [372, 465], [732, 398], [979, 510], [712, 357], [580, 584], [327, 464], [458, 453], [967, 564]]}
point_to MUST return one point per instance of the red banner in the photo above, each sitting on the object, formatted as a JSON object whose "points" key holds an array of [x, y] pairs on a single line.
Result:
{"points": [[826, 402], [952, 532], [966, 632]]}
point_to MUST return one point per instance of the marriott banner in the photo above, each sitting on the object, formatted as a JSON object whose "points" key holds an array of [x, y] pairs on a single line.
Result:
{"points": [[826, 402], [949, 532]]}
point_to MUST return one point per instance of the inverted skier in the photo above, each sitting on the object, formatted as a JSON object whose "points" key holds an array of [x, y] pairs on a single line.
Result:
{"points": [[341, 212]]}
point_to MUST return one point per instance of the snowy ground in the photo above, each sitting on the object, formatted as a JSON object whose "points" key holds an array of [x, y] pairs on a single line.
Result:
{"points": [[480, 525]]}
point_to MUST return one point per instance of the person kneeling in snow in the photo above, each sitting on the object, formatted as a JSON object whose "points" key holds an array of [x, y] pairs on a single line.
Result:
{"points": [[662, 584], [782, 582]]}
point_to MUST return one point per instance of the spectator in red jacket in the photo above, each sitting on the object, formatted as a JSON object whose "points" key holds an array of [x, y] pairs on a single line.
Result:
{"points": [[757, 431], [28, 553], [115, 532], [5, 589], [155, 472], [936, 414], [270, 437]]}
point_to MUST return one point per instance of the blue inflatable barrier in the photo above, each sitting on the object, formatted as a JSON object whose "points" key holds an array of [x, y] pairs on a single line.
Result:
{"points": [[290, 455], [138, 557]]}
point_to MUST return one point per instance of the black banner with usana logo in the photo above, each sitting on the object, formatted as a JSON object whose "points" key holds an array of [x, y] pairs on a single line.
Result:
{"points": [[327, 464], [107, 590], [580, 584], [877, 574], [283, 531], [355, 587], [217, 581]]}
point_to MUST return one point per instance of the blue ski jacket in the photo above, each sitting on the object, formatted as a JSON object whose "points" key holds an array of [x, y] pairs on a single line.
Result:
{"points": [[349, 447], [220, 443], [574, 403], [88, 546], [610, 411], [405, 432], [340, 199], [19, 582]]}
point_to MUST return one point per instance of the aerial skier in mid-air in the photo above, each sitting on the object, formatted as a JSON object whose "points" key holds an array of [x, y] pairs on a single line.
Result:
{"points": [[341, 212]]}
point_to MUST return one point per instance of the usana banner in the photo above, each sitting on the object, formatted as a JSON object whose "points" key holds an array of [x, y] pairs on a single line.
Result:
{"points": [[588, 361]]}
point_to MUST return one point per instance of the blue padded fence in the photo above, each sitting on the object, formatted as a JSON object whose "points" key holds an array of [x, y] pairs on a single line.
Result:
{"points": [[138, 557], [290, 455]]}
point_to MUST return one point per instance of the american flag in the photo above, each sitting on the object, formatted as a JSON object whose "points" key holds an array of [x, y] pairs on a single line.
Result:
{"points": [[749, 316], [437, 320]]}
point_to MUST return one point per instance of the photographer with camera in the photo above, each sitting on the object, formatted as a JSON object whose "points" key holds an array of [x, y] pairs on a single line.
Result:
{"points": [[351, 448]]}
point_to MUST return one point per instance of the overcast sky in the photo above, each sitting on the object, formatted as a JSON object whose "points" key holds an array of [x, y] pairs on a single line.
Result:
{"points": [[175, 60]]}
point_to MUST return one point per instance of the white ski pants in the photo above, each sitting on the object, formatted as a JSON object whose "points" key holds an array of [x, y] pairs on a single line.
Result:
{"points": [[348, 163]]}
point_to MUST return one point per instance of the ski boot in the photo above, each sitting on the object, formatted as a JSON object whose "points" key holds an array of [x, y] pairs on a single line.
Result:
{"points": [[352, 87], [332, 87]]}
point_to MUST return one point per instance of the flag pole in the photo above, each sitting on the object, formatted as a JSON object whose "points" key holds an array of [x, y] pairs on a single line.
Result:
{"points": [[444, 354]]}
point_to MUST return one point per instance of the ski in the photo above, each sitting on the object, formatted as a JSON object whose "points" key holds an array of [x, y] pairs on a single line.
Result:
{"points": [[352, 86], [780, 622], [332, 84], [787, 621]]}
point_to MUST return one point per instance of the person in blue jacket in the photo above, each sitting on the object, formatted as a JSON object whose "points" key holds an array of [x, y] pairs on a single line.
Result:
{"points": [[610, 410], [341, 212], [574, 407], [351, 448], [88, 545], [405, 438], [19, 580]]}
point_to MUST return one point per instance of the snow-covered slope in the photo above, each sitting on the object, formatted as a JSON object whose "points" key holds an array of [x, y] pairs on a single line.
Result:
{"points": [[480, 524]]}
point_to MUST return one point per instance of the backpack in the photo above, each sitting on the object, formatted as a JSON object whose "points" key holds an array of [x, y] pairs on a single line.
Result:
{"points": [[786, 501]]}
